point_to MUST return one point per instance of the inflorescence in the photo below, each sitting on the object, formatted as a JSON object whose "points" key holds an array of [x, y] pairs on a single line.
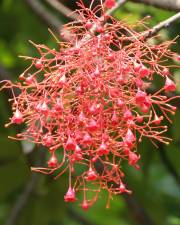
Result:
{"points": [[90, 101]]}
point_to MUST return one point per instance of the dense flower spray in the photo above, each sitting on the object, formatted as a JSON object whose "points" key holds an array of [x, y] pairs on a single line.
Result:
{"points": [[89, 102]]}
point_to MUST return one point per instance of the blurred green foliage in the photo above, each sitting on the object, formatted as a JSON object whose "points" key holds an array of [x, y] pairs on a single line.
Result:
{"points": [[154, 187]]}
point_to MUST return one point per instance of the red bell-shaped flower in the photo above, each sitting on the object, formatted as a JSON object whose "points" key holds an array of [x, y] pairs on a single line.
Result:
{"points": [[129, 138], [91, 175], [87, 139], [92, 125], [70, 195], [70, 144], [53, 161], [103, 150], [133, 158], [169, 85]]}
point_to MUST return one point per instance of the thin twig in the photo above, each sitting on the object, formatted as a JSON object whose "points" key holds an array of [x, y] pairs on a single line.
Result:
{"points": [[50, 19], [23, 199], [4, 74], [164, 24], [109, 12], [62, 9], [173, 5], [138, 212]]}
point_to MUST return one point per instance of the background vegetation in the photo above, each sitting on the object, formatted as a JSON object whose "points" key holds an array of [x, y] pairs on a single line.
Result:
{"points": [[33, 199]]}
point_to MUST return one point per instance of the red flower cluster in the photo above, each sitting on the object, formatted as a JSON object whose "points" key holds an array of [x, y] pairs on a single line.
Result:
{"points": [[89, 102]]}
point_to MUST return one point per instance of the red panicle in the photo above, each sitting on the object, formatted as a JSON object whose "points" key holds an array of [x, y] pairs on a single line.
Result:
{"points": [[88, 102]]}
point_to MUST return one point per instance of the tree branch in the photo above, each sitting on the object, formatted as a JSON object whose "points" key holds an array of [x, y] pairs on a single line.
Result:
{"points": [[27, 192], [137, 211], [51, 20], [4, 74], [22, 200], [62, 9], [173, 5], [164, 24]]}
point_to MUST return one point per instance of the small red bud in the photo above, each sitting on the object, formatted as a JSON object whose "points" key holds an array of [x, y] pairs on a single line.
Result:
{"points": [[110, 3], [17, 117], [85, 204], [88, 25], [39, 64]]}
